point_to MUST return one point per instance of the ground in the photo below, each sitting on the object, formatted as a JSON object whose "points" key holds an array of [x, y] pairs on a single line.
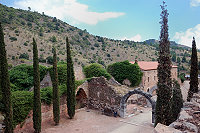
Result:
{"points": [[94, 122]]}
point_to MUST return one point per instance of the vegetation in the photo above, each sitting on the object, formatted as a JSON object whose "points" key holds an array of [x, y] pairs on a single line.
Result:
{"points": [[125, 70], [5, 85], [193, 72], [70, 83], [177, 100], [182, 77], [95, 70], [164, 92], [56, 98], [37, 100], [22, 76], [24, 56]]}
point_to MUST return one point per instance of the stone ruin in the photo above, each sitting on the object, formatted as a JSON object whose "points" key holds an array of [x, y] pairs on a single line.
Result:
{"points": [[109, 97]]}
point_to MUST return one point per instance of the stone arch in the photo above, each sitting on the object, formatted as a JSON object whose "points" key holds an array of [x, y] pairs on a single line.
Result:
{"points": [[124, 99], [81, 98], [151, 90]]}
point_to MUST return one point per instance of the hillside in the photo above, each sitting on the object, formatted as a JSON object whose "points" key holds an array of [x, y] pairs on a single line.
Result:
{"points": [[20, 26]]}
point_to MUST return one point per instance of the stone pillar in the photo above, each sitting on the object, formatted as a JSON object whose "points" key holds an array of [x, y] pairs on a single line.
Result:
{"points": [[122, 110]]}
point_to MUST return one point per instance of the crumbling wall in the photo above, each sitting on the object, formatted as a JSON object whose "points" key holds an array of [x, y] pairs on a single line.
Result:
{"points": [[105, 96]]}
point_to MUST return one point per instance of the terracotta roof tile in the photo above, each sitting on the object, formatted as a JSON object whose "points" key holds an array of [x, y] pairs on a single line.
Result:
{"points": [[148, 65]]}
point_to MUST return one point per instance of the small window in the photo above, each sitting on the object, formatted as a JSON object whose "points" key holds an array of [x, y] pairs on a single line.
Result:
{"points": [[148, 79], [154, 77]]}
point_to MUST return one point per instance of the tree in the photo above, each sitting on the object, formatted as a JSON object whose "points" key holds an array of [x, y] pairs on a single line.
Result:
{"points": [[184, 59], [178, 60], [193, 72], [174, 57], [70, 83], [177, 100], [5, 85], [56, 98], [95, 70], [164, 91], [37, 100]]}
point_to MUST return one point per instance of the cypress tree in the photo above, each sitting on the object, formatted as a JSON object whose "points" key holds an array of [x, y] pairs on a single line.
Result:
{"points": [[56, 98], [70, 83], [193, 72], [37, 101], [164, 91], [5, 85]]}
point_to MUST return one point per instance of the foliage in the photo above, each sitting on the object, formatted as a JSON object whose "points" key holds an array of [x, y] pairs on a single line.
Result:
{"points": [[193, 72], [95, 70], [125, 70], [13, 38], [53, 39], [5, 85], [177, 100], [22, 102], [46, 95], [36, 97], [164, 113], [71, 101], [22, 75], [49, 60], [182, 77], [24, 56], [56, 98], [62, 73]]}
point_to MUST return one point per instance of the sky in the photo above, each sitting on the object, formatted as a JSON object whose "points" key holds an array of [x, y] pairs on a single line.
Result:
{"points": [[136, 20]]}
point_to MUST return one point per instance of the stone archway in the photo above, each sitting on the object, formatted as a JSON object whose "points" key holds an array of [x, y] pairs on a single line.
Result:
{"points": [[81, 98], [124, 99], [154, 88]]}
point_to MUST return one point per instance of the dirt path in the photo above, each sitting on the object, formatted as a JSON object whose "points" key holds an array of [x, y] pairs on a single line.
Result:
{"points": [[94, 122]]}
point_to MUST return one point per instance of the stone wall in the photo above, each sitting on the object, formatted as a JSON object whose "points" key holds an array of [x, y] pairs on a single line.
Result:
{"points": [[105, 96], [150, 78]]}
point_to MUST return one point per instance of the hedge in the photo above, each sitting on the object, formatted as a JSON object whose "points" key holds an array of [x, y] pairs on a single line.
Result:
{"points": [[125, 70], [95, 70], [22, 76]]}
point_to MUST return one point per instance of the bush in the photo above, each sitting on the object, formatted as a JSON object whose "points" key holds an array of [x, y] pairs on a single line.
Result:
{"points": [[22, 102], [182, 77], [24, 56], [49, 60], [13, 38], [46, 95], [177, 99], [96, 70], [62, 73], [22, 75], [125, 70], [53, 39]]}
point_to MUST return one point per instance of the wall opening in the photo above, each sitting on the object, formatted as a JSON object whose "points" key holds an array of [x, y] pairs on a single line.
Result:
{"points": [[81, 99]]}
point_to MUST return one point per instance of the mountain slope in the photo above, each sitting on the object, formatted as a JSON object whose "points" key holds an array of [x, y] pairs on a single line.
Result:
{"points": [[21, 26]]}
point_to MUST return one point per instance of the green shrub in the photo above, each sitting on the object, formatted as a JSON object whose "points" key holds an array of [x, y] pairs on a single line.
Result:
{"points": [[24, 56], [62, 73], [182, 77], [49, 59], [95, 70], [13, 38], [125, 70], [22, 75], [46, 95], [22, 102]]}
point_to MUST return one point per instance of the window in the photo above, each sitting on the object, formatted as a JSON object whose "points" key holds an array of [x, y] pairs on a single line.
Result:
{"points": [[154, 77], [148, 79]]}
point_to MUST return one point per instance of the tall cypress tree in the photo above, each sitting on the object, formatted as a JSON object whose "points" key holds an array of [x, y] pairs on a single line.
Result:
{"points": [[193, 72], [70, 83], [56, 98], [164, 91], [37, 101], [5, 85]]}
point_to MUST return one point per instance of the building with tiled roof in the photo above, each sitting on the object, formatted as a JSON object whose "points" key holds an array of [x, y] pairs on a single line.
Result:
{"points": [[149, 69]]}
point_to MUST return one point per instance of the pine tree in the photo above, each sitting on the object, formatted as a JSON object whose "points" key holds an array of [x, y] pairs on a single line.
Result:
{"points": [[164, 91], [70, 83], [193, 72], [5, 85], [56, 98], [37, 101]]}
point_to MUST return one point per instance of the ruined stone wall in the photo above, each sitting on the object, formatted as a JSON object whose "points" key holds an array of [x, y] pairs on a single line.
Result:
{"points": [[104, 96]]}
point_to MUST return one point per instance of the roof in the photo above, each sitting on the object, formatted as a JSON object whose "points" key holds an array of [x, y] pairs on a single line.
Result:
{"points": [[148, 65]]}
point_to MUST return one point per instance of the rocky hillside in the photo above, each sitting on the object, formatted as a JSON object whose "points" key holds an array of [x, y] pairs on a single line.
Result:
{"points": [[20, 26]]}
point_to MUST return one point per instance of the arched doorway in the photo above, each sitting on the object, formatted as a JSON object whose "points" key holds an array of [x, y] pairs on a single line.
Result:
{"points": [[123, 103], [81, 99]]}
